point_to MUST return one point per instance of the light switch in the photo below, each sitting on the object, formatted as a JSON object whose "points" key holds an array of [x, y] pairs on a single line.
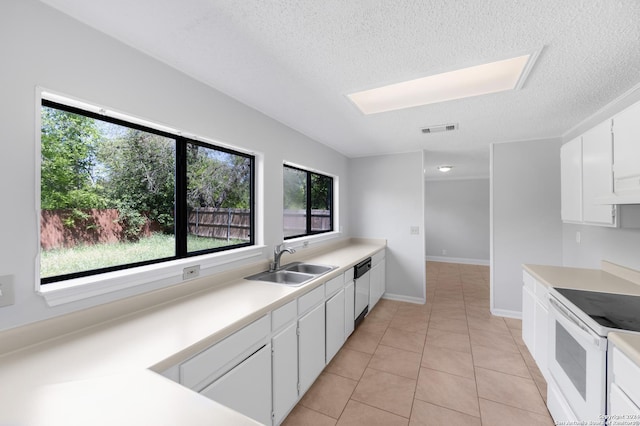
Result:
{"points": [[414, 230]]}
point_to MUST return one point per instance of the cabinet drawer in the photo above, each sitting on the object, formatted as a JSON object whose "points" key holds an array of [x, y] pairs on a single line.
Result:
{"points": [[205, 367], [333, 285], [626, 374], [311, 299], [621, 405], [348, 275], [284, 315], [376, 258]]}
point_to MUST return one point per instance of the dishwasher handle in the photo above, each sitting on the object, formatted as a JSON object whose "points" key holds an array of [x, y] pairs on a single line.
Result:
{"points": [[362, 268]]}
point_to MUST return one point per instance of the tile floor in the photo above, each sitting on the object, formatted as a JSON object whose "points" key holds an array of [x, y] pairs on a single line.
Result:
{"points": [[448, 362]]}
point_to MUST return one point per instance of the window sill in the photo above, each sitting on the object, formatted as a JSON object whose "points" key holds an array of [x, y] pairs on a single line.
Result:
{"points": [[308, 240], [144, 278]]}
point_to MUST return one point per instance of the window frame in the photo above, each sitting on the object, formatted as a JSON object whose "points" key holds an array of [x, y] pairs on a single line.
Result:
{"points": [[181, 214], [308, 231]]}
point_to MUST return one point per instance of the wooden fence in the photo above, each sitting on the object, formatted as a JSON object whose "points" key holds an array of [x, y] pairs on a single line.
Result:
{"points": [[229, 224], [102, 226], [295, 221], [66, 228]]}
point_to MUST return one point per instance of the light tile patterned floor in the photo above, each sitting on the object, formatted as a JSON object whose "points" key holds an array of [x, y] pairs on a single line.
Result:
{"points": [[448, 362]]}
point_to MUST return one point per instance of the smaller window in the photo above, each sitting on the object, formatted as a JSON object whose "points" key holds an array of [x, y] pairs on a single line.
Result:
{"points": [[308, 203]]}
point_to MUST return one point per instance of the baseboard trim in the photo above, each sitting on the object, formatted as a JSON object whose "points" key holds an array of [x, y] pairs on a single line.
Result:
{"points": [[403, 298], [506, 313], [483, 262]]}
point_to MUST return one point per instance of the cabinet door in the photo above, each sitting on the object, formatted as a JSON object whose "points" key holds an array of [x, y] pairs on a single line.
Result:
{"points": [[571, 180], [334, 325], [247, 387], [285, 371], [349, 309], [541, 337], [311, 353], [528, 319], [378, 271], [597, 174], [626, 150]]}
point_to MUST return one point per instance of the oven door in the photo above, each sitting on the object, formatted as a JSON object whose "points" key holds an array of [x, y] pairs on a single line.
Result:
{"points": [[577, 363]]}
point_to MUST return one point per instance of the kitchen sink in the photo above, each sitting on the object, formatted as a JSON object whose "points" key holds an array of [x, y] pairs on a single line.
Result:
{"points": [[294, 274], [308, 268]]}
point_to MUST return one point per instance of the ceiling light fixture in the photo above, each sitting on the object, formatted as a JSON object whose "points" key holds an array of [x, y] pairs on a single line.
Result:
{"points": [[482, 79], [445, 169]]}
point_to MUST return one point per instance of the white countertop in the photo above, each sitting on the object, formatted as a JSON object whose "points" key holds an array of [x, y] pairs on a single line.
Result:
{"points": [[116, 354], [613, 279], [629, 344]]}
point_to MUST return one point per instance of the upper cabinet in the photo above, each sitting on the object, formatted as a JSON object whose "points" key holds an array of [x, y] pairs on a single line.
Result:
{"points": [[601, 169], [597, 176], [571, 180], [626, 154], [586, 177]]}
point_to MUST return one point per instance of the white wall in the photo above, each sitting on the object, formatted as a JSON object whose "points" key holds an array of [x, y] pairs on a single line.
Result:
{"points": [[42, 47], [525, 216], [386, 200], [457, 220]]}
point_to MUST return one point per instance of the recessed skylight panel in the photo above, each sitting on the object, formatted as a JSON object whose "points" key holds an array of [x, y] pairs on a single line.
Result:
{"points": [[478, 80]]}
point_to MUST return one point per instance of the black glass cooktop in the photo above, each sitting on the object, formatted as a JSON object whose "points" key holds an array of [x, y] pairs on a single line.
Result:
{"points": [[619, 311]]}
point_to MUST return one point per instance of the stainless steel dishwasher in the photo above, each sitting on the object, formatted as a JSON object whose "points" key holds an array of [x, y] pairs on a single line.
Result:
{"points": [[362, 282]]}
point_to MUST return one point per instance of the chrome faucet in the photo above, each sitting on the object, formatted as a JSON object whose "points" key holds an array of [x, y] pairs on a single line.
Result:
{"points": [[277, 254]]}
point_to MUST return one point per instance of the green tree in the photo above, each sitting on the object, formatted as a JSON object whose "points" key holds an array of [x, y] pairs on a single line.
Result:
{"points": [[69, 143], [295, 189], [217, 179], [139, 176]]}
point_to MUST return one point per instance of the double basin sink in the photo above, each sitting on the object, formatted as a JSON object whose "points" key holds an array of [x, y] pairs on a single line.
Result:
{"points": [[293, 274]]}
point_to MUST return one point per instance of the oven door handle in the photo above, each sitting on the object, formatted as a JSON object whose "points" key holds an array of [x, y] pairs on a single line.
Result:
{"points": [[569, 321]]}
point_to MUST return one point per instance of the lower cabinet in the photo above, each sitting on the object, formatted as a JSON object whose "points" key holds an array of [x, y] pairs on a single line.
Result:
{"points": [[349, 309], [335, 314], [247, 387], [378, 279], [311, 347], [263, 369], [285, 371], [623, 377], [535, 317]]}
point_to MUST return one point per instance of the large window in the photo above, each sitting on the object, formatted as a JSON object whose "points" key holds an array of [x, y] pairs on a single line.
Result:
{"points": [[116, 194], [308, 203]]}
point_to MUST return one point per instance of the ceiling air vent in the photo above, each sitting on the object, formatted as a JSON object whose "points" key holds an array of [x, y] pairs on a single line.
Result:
{"points": [[440, 128]]}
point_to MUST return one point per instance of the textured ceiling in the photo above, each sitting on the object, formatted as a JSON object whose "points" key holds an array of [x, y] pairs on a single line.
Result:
{"points": [[296, 60]]}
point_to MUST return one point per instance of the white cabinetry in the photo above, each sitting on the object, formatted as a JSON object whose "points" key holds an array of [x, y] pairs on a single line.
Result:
{"points": [[624, 387], [284, 361], [378, 278], [597, 175], [311, 347], [571, 180], [535, 314], [236, 371], [626, 153], [247, 387], [349, 308], [334, 324]]}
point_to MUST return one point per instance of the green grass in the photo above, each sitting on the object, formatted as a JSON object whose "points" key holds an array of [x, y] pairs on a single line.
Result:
{"points": [[87, 257]]}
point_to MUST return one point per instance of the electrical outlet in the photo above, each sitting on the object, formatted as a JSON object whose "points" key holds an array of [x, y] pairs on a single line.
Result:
{"points": [[7, 296], [190, 272], [444, 252], [305, 244]]}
